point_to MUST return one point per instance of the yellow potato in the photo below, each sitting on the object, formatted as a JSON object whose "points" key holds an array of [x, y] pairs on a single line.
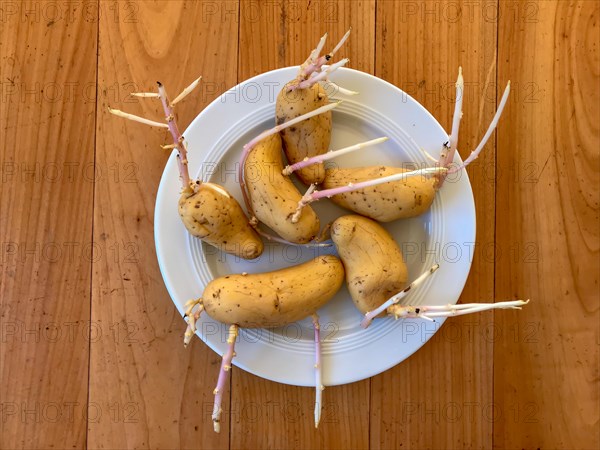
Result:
{"points": [[214, 216], [274, 299], [273, 196], [310, 137], [375, 268], [384, 202]]}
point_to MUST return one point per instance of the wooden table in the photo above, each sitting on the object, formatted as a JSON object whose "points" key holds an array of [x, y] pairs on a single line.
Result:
{"points": [[91, 343]]}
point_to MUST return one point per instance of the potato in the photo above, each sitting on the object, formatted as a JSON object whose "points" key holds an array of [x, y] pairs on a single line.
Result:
{"points": [[385, 202], [375, 268], [310, 137], [214, 216], [274, 299], [273, 196]]}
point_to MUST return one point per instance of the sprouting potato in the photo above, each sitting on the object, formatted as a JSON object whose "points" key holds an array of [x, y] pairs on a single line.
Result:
{"points": [[310, 137], [302, 95], [213, 215], [207, 210], [268, 300], [273, 196], [384, 202], [375, 268], [401, 193], [274, 299]]}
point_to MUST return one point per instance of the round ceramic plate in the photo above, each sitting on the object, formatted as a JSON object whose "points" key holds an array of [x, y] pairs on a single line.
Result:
{"points": [[445, 234]]}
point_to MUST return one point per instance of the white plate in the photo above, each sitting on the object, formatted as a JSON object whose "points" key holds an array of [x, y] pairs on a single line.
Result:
{"points": [[446, 234]]}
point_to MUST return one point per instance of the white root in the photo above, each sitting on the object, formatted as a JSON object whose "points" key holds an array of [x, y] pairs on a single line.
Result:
{"points": [[449, 149], [339, 44], [145, 94], [456, 118], [322, 75], [340, 90], [178, 140], [396, 298], [191, 317], [319, 388], [460, 87], [317, 51], [431, 312], [284, 125], [288, 170], [314, 62], [475, 153], [302, 203], [313, 195], [186, 91], [218, 189], [223, 376], [428, 155], [135, 118]]}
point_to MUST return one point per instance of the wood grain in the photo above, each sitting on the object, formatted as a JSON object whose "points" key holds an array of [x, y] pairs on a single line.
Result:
{"points": [[160, 389], [283, 34], [47, 156], [79, 282], [438, 397], [548, 151]]}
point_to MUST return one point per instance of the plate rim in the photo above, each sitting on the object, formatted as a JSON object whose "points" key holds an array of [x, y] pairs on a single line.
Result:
{"points": [[160, 200]]}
